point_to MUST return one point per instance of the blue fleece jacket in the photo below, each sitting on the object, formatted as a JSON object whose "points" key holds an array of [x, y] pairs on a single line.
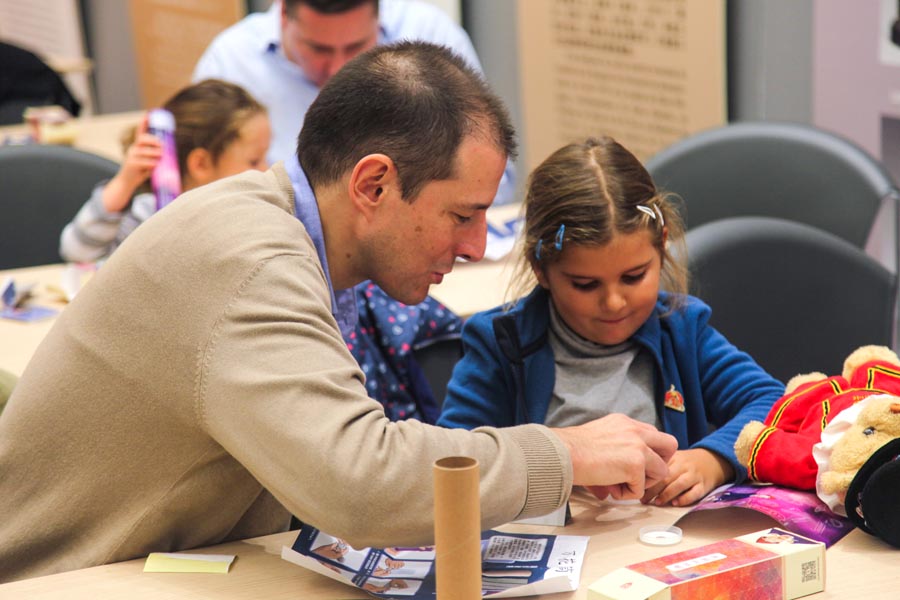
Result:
{"points": [[507, 374]]}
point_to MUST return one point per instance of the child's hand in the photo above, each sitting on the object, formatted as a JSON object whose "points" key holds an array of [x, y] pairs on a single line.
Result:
{"points": [[140, 159], [692, 474]]}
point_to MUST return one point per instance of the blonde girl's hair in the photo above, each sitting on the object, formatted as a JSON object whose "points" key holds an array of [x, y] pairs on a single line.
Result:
{"points": [[208, 114], [586, 194]]}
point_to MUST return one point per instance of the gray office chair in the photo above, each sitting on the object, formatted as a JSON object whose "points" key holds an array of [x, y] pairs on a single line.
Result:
{"points": [[41, 189], [796, 298], [784, 170], [436, 358]]}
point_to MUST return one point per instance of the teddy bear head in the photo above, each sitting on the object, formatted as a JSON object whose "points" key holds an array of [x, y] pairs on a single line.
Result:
{"points": [[877, 424], [865, 354], [857, 358]]}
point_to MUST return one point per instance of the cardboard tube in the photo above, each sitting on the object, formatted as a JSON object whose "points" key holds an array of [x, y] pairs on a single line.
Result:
{"points": [[457, 528]]}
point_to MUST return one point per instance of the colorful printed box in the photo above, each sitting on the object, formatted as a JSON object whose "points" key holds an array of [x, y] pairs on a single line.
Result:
{"points": [[772, 563]]}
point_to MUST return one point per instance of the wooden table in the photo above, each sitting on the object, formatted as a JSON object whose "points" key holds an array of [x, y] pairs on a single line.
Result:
{"points": [[18, 339], [859, 566], [100, 134]]}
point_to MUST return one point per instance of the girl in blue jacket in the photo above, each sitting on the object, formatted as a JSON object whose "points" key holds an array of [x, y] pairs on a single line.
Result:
{"points": [[598, 336]]}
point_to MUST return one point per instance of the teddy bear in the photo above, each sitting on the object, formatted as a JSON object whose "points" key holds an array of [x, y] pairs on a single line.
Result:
{"points": [[859, 470], [877, 423], [780, 450]]}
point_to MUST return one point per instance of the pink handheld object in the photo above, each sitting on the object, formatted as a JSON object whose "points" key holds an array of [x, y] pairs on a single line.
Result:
{"points": [[165, 179]]}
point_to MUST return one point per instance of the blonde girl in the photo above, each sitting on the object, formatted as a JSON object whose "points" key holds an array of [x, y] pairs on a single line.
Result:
{"points": [[220, 130]]}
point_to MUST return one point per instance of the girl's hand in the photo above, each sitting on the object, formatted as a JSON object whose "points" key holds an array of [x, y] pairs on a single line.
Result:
{"points": [[140, 159], [692, 474]]}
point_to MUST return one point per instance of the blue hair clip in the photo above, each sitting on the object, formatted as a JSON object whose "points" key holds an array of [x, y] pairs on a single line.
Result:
{"points": [[558, 243]]}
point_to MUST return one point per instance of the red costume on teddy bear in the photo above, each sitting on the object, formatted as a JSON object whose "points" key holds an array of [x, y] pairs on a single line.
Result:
{"points": [[780, 450]]}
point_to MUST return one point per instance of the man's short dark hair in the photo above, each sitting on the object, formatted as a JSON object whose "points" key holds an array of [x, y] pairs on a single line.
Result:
{"points": [[327, 7], [412, 101]]}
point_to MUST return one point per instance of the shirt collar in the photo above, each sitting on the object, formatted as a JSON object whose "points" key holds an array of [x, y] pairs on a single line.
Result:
{"points": [[271, 41], [343, 302]]}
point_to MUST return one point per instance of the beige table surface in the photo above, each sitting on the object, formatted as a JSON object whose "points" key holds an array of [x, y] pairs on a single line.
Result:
{"points": [[859, 566], [100, 134], [18, 339]]}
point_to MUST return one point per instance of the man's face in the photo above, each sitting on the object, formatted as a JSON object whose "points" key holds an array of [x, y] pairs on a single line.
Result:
{"points": [[321, 44], [417, 243]]}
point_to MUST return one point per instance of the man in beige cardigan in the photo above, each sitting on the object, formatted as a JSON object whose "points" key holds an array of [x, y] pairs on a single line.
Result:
{"points": [[198, 389]]}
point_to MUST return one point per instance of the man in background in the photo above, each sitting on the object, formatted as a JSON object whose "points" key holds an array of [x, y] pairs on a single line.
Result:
{"points": [[285, 55]]}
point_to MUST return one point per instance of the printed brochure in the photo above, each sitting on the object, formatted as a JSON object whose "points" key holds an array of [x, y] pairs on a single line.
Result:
{"points": [[797, 511], [512, 564]]}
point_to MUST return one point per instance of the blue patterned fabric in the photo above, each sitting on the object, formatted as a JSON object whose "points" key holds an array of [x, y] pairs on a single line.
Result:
{"points": [[383, 342]]}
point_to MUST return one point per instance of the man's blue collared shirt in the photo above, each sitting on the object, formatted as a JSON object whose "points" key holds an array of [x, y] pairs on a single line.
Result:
{"points": [[343, 302]]}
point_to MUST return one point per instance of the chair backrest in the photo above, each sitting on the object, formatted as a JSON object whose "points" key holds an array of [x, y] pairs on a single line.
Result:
{"points": [[436, 358], [41, 189], [794, 297], [26, 80], [784, 170]]}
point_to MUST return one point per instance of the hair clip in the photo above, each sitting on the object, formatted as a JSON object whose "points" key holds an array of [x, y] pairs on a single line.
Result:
{"points": [[647, 211], [559, 236], [558, 242], [652, 213]]}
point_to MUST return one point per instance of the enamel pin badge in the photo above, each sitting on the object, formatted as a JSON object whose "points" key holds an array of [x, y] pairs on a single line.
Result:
{"points": [[673, 399]]}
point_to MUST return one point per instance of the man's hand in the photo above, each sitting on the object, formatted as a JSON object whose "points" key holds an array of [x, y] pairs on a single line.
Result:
{"points": [[617, 455]]}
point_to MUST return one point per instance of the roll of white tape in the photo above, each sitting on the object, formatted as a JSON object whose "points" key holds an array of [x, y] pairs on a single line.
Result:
{"points": [[660, 535]]}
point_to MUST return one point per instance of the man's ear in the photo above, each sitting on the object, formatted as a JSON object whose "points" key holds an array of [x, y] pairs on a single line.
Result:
{"points": [[373, 179], [200, 166]]}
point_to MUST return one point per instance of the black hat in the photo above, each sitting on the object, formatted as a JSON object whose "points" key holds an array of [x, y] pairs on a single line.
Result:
{"points": [[873, 498]]}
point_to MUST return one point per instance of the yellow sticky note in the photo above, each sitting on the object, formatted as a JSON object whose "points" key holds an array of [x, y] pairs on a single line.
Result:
{"points": [[165, 562]]}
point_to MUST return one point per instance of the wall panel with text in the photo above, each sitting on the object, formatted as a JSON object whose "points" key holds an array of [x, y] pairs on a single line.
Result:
{"points": [[647, 72]]}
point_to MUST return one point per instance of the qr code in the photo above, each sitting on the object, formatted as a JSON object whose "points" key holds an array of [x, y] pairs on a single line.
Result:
{"points": [[810, 571]]}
